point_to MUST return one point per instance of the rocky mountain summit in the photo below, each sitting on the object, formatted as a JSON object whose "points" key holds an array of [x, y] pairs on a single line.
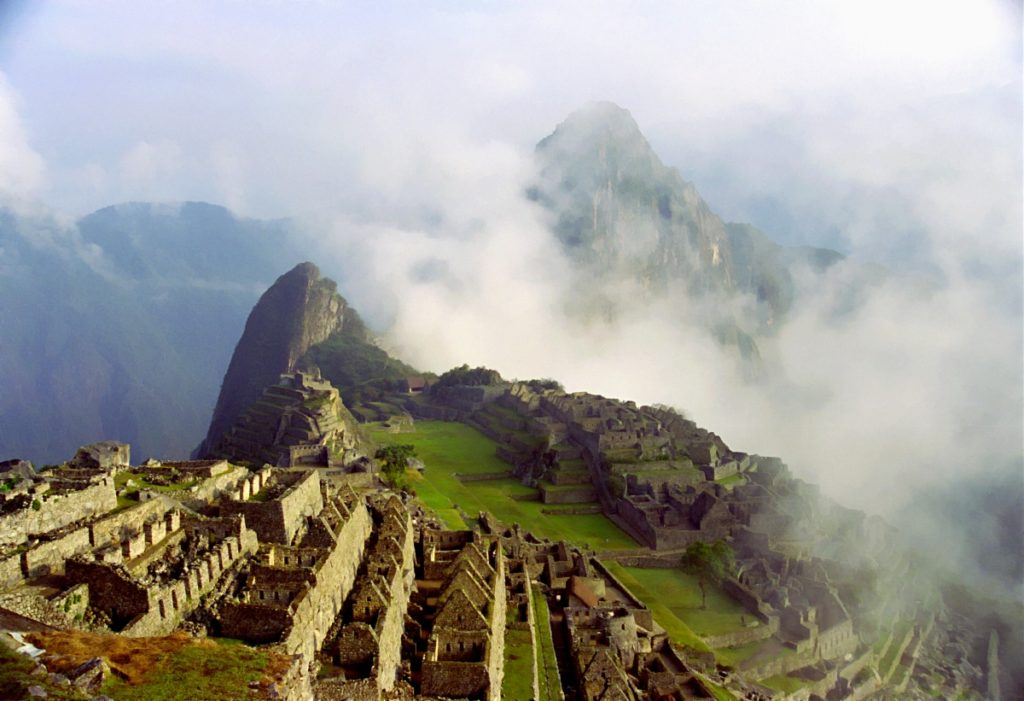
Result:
{"points": [[299, 310], [621, 213]]}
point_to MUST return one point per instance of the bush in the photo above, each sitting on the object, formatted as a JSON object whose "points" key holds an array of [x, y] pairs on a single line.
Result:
{"points": [[395, 459], [465, 375]]}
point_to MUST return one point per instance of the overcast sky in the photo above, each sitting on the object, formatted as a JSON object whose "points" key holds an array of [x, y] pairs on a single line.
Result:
{"points": [[810, 118], [889, 130]]}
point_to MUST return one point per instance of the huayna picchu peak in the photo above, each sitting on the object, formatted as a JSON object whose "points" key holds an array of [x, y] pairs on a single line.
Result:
{"points": [[299, 310]]}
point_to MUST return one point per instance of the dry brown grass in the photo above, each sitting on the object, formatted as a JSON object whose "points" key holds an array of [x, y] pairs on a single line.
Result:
{"points": [[129, 658]]}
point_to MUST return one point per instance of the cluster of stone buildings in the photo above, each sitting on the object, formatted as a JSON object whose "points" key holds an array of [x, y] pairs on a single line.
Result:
{"points": [[298, 421], [679, 484], [359, 583]]}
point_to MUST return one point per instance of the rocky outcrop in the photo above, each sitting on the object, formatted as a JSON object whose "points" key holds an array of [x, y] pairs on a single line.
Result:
{"points": [[620, 213], [621, 210], [299, 310], [298, 421]]}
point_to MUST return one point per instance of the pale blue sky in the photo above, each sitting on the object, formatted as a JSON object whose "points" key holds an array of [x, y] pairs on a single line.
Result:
{"points": [[781, 112]]}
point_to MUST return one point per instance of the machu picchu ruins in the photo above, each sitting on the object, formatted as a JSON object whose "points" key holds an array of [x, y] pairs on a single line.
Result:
{"points": [[288, 538], [464, 537]]}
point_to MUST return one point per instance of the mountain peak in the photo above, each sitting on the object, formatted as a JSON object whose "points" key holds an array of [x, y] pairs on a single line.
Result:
{"points": [[596, 125], [299, 310]]}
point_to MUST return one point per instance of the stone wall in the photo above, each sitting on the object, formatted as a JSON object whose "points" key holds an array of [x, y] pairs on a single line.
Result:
{"points": [[581, 495], [255, 623], [496, 658], [57, 510], [315, 611], [221, 483], [391, 624], [278, 521], [10, 571], [459, 679], [111, 590], [48, 557], [74, 601], [169, 602], [113, 529], [301, 623], [748, 600], [744, 636]]}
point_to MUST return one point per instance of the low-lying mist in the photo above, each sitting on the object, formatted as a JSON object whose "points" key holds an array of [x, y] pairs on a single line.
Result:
{"points": [[889, 393]]}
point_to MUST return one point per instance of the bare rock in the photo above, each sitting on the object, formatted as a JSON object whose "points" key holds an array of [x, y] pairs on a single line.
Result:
{"points": [[58, 679], [90, 675], [37, 692]]}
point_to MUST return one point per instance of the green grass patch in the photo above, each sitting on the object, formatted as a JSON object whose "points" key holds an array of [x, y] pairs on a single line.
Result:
{"points": [[448, 449], [733, 480], [121, 481], [676, 628], [517, 684], [734, 656], [784, 683], [548, 487], [719, 692], [680, 593], [899, 632], [549, 681]]}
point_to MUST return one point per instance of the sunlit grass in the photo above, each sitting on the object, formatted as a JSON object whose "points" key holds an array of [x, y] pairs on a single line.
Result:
{"points": [[448, 449]]}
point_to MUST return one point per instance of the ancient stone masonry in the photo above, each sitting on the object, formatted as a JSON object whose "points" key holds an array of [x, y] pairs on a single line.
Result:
{"points": [[164, 568], [678, 483], [295, 588], [48, 502], [465, 648], [365, 641], [278, 511], [612, 647], [298, 421]]}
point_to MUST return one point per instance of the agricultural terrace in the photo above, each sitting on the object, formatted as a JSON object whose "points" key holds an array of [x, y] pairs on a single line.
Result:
{"points": [[674, 598], [448, 449]]}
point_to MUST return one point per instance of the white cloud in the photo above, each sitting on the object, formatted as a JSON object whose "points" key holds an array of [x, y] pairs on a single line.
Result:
{"points": [[22, 170], [147, 166]]}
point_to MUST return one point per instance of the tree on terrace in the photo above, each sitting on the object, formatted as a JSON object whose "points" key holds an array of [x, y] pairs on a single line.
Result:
{"points": [[709, 563], [395, 461]]}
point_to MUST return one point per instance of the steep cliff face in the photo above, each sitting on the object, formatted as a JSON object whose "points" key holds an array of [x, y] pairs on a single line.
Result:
{"points": [[299, 310], [622, 214], [620, 210]]}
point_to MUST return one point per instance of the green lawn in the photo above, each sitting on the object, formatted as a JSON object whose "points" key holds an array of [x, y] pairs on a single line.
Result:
{"points": [[900, 631], [680, 593], [517, 684], [547, 664], [677, 630], [784, 683], [449, 448], [733, 480]]}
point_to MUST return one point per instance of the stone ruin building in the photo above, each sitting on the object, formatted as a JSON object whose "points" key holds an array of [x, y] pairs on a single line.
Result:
{"points": [[301, 420], [367, 588]]}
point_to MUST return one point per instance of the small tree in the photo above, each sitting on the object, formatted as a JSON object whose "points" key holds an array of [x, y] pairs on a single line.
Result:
{"points": [[395, 460], [710, 563]]}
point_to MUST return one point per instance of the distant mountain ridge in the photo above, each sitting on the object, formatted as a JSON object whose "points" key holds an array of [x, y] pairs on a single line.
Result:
{"points": [[622, 213], [121, 326]]}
